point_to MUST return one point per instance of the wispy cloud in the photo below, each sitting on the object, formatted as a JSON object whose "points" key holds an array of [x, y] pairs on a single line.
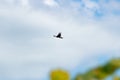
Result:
{"points": [[50, 2], [28, 50]]}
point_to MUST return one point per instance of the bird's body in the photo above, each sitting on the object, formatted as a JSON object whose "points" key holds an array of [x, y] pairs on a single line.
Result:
{"points": [[58, 36]]}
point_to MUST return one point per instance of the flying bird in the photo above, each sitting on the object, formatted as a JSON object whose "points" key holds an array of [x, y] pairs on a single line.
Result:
{"points": [[58, 36]]}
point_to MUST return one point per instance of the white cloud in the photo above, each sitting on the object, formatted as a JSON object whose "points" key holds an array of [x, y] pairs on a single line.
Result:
{"points": [[16, 3], [25, 3], [32, 55], [50, 2], [91, 5], [10, 1]]}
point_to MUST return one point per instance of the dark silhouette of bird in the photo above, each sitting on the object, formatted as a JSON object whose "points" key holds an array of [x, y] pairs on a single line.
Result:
{"points": [[58, 36]]}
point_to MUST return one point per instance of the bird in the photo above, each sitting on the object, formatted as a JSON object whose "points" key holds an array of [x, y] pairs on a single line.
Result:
{"points": [[58, 35]]}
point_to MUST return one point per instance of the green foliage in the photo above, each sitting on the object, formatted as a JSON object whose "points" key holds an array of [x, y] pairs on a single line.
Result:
{"points": [[116, 78], [101, 72], [98, 73], [59, 75]]}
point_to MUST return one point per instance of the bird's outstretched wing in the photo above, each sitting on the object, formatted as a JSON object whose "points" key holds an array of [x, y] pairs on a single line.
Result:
{"points": [[59, 35]]}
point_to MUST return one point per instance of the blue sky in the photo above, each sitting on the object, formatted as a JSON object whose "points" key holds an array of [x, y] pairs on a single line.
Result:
{"points": [[28, 50]]}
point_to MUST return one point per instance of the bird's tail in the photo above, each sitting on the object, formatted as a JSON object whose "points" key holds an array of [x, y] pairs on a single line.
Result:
{"points": [[61, 37]]}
